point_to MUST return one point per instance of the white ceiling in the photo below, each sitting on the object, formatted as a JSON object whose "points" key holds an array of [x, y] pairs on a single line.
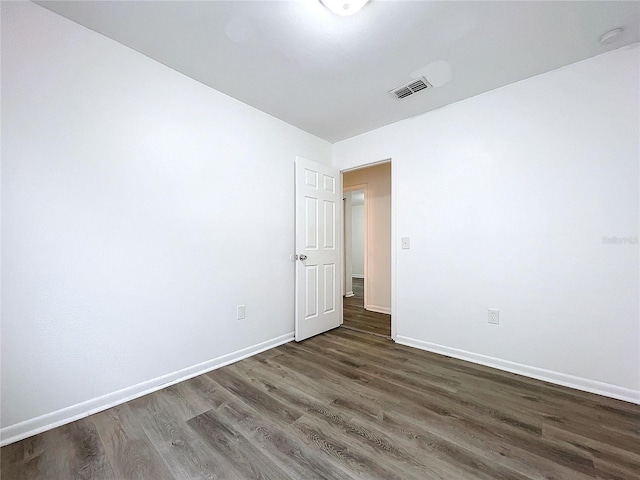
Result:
{"points": [[329, 75]]}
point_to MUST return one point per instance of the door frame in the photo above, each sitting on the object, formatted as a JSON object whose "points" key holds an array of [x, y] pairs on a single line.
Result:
{"points": [[394, 243], [354, 188]]}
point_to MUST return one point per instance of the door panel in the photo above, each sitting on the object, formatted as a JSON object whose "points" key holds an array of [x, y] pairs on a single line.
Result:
{"points": [[329, 288], [318, 230]]}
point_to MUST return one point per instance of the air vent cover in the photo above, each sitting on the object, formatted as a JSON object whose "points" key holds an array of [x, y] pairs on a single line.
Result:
{"points": [[410, 88]]}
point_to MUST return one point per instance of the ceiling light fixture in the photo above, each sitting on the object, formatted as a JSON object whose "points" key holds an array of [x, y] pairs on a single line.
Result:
{"points": [[344, 7]]}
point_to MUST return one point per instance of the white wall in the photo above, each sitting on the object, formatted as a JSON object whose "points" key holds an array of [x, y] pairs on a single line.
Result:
{"points": [[507, 197], [357, 241], [139, 208]]}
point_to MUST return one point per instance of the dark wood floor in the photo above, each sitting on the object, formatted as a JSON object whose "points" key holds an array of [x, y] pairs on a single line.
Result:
{"points": [[357, 318], [344, 405]]}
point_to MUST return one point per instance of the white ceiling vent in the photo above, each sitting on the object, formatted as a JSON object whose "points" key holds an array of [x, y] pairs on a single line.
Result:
{"points": [[410, 88]]}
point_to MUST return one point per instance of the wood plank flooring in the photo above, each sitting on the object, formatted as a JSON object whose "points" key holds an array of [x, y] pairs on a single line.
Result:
{"points": [[357, 318], [344, 405]]}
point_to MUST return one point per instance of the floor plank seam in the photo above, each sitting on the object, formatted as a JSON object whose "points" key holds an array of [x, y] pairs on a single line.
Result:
{"points": [[366, 332]]}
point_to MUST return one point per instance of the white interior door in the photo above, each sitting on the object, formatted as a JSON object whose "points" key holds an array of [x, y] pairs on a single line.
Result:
{"points": [[318, 247]]}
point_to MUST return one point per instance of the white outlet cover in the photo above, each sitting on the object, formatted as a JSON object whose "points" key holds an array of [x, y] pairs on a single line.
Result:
{"points": [[494, 316], [406, 242]]}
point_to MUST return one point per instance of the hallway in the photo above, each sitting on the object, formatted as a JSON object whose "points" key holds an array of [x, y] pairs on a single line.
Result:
{"points": [[357, 318]]}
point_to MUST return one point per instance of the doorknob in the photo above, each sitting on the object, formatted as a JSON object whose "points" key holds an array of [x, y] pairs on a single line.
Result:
{"points": [[302, 257]]}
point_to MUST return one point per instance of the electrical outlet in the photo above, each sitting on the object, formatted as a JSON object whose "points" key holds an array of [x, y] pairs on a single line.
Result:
{"points": [[240, 312], [494, 316]]}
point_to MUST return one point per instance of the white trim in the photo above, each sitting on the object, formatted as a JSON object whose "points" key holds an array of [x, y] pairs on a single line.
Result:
{"points": [[343, 241], [367, 165], [33, 426], [578, 383], [394, 254], [378, 309], [355, 275], [349, 294]]}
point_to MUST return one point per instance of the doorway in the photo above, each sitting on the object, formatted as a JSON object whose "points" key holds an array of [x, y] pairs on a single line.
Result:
{"points": [[367, 249]]}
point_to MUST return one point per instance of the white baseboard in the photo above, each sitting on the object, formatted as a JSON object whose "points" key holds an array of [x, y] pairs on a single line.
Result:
{"points": [[357, 276], [33, 426], [378, 309], [348, 294], [579, 383]]}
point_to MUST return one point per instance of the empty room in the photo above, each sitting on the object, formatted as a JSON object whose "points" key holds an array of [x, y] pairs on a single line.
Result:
{"points": [[180, 293]]}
